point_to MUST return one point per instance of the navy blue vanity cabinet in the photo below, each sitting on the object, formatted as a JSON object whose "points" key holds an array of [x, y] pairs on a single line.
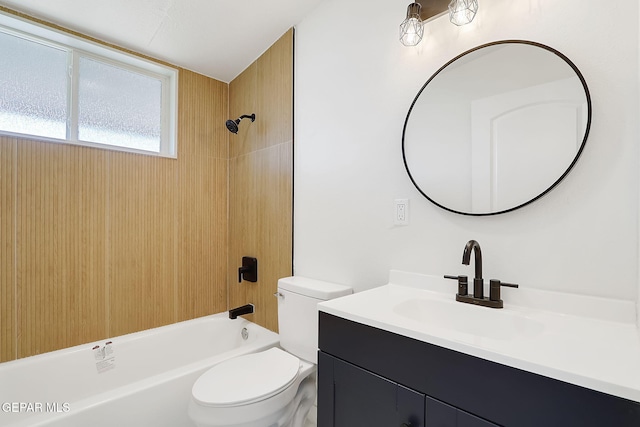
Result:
{"points": [[372, 377], [440, 414], [351, 396], [356, 397]]}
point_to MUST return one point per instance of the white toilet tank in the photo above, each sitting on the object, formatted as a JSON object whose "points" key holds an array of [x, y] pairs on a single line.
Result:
{"points": [[298, 299]]}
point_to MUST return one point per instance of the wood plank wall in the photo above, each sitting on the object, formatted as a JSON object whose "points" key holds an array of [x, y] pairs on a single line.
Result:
{"points": [[261, 179], [8, 333], [97, 243]]}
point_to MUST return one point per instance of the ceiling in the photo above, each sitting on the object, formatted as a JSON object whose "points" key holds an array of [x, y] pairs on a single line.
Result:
{"points": [[217, 38]]}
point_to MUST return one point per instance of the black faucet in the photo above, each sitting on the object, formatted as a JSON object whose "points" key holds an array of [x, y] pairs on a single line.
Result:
{"points": [[478, 281], [239, 311], [478, 297]]}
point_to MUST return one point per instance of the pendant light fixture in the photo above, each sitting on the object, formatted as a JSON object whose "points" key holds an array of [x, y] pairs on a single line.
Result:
{"points": [[411, 29], [461, 12]]}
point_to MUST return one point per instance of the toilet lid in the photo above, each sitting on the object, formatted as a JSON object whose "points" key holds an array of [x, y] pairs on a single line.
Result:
{"points": [[246, 379]]}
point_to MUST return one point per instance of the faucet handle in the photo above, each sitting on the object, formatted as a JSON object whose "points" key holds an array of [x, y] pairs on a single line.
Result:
{"points": [[494, 288], [463, 283]]}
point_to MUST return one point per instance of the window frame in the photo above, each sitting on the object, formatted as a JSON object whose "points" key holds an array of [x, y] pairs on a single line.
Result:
{"points": [[78, 47]]}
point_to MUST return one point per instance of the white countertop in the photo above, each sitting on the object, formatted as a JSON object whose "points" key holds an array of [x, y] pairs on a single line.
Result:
{"points": [[588, 341]]}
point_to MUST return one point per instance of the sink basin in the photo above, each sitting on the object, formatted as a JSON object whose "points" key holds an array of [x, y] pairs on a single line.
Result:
{"points": [[497, 324]]}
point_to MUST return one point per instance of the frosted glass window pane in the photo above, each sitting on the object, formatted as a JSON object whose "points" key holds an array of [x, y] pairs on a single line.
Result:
{"points": [[33, 88], [119, 107]]}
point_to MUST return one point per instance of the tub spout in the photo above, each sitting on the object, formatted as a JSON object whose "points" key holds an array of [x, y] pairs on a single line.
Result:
{"points": [[239, 311]]}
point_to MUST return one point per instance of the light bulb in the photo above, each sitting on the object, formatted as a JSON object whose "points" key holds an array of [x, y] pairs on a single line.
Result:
{"points": [[461, 12], [411, 29]]}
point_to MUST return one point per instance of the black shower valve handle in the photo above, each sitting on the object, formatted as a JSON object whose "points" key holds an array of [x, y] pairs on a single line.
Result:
{"points": [[241, 271], [249, 270]]}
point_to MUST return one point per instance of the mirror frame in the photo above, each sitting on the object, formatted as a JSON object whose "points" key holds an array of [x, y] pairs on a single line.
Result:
{"points": [[575, 159]]}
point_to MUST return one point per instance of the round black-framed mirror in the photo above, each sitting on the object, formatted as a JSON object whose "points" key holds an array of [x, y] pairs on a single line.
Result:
{"points": [[496, 128]]}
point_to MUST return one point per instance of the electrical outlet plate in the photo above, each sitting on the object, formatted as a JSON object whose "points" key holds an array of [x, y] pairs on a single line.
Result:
{"points": [[401, 212]]}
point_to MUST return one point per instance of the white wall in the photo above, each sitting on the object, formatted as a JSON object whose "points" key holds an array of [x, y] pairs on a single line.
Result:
{"points": [[354, 83]]}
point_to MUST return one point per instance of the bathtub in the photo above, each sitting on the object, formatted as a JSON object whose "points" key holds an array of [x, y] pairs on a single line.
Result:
{"points": [[141, 379]]}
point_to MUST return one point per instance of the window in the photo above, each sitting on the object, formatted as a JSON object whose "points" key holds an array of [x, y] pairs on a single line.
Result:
{"points": [[33, 94], [56, 87]]}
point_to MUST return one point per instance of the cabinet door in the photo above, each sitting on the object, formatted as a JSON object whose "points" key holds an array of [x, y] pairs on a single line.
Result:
{"points": [[439, 414], [361, 398], [467, 420]]}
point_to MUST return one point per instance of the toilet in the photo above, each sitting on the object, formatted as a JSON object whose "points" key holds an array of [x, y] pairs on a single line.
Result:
{"points": [[274, 387]]}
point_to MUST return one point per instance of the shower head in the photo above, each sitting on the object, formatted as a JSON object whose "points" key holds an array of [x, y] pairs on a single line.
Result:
{"points": [[232, 125]]}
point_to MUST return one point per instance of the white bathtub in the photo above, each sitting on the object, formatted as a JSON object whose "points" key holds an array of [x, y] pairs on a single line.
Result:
{"points": [[141, 379]]}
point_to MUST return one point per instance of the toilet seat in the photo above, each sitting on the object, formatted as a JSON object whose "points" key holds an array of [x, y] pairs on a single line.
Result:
{"points": [[246, 379]]}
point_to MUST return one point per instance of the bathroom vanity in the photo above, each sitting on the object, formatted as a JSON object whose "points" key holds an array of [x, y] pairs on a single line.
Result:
{"points": [[408, 354]]}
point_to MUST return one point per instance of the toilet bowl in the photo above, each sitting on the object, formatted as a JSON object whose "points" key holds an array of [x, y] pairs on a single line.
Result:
{"points": [[255, 390], [275, 387]]}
